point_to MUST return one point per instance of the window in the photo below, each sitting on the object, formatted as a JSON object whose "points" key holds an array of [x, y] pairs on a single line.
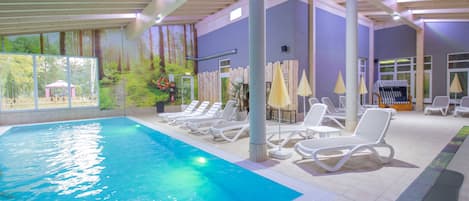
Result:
{"points": [[405, 69], [235, 14], [225, 82], [32, 82], [458, 64]]}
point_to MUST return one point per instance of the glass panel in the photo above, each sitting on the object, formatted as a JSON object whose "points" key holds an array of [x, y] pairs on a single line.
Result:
{"points": [[405, 76], [225, 70], [454, 57], [186, 90], [403, 61], [384, 62], [83, 82], [16, 82], [225, 89], [427, 66], [427, 59], [52, 82], [463, 81], [386, 69], [387, 77], [403, 68], [458, 65], [23, 44], [427, 77]]}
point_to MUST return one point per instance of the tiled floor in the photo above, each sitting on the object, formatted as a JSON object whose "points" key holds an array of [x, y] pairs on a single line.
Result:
{"points": [[416, 138]]}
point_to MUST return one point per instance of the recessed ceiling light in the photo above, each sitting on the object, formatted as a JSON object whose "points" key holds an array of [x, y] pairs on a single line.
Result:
{"points": [[159, 19], [396, 16]]}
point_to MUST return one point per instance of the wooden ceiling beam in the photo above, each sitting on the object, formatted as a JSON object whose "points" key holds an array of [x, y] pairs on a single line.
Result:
{"points": [[64, 13], [391, 9], [63, 24]]}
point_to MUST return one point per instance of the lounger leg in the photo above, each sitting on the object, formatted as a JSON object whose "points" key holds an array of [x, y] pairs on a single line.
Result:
{"points": [[391, 153]]}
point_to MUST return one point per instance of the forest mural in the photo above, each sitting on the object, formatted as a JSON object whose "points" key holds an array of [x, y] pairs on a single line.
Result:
{"points": [[139, 72]]}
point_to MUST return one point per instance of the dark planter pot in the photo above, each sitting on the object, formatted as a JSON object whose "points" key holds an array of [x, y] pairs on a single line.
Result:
{"points": [[160, 107]]}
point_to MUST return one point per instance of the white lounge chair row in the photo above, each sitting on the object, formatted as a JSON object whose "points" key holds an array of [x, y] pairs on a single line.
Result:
{"points": [[368, 135], [441, 105]]}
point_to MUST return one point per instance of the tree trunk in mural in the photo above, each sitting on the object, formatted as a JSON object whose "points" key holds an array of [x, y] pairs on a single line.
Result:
{"points": [[168, 44], [41, 41], [184, 46], [80, 43], [194, 46], [98, 53], [128, 63], [152, 65], [161, 49], [119, 64], [62, 43]]}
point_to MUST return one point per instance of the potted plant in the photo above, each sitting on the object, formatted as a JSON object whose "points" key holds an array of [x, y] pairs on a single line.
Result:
{"points": [[161, 98]]}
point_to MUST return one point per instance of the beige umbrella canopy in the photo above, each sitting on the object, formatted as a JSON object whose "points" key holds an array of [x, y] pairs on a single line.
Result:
{"points": [[362, 89], [279, 98], [455, 85], [339, 84], [304, 90]]}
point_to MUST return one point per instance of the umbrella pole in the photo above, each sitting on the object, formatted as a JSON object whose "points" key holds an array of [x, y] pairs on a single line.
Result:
{"points": [[279, 121], [304, 107]]}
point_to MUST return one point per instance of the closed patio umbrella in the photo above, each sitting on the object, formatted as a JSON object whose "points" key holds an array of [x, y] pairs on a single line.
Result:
{"points": [[279, 98], [455, 86], [304, 90]]}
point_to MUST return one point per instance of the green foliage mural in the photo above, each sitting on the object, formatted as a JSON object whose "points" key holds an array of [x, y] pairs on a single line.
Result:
{"points": [[129, 68]]}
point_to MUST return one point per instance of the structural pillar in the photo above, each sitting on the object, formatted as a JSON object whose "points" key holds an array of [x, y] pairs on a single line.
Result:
{"points": [[312, 47], [257, 141], [371, 64], [351, 65], [420, 71]]}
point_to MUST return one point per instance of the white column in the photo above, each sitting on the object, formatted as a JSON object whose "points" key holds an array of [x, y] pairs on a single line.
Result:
{"points": [[312, 46], [351, 65], [371, 63], [257, 143]]}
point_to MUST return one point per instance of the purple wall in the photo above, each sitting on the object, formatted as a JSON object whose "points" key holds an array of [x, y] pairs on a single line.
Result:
{"points": [[330, 51], [395, 42], [286, 24], [441, 38]]}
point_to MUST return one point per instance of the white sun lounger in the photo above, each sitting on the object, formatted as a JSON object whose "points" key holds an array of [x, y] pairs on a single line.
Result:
{"points": [[220, 130], [314, 117], [313, 101], [189, 109], [333, 113], [212, 112], [368, 135], [463, 107], [228, 114], [199, 111], [440, 104]]}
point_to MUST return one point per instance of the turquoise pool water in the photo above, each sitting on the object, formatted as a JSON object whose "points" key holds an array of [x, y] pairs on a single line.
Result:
{"points": [[119, 159]]}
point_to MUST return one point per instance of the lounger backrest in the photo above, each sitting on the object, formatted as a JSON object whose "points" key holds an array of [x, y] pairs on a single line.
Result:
{"points": [[464, 101], [229, 110], [330, 106], [441, 101], [373, 125], [315, 115], [202, 107], [313, 101], [214, 109], [191, 106]]}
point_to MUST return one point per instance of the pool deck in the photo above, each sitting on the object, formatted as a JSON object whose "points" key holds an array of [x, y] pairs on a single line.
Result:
{"points": [[416, 138]]}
